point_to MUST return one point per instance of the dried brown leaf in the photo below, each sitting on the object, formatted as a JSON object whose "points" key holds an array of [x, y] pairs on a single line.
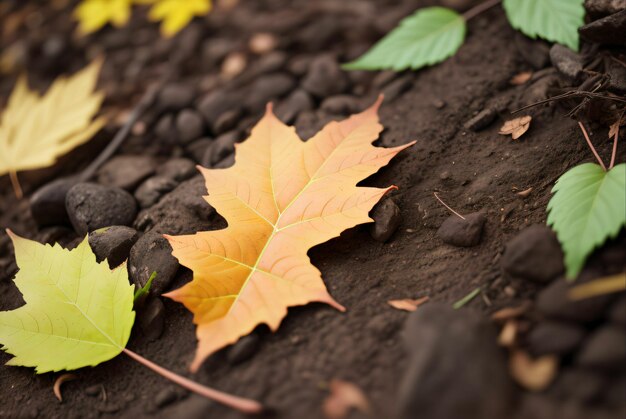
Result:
{"points": [[516, 127], [525, 192], [508, 334], [521, 78], [343, 397], [533, 374], [407, 304], [511, 312]]}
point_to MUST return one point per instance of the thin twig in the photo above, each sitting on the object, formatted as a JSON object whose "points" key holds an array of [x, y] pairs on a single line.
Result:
{"points": [[482, 7], [15, 182], [614, 153], [446, 205], [146, 101], [593, 149], [239, 403], [570, 94]]}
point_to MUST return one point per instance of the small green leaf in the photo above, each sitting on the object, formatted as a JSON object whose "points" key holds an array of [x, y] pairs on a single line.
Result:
{"points": [[143, 291], [427, 37], [554, 20], [78, 312], [469, 297], [588, 207]]}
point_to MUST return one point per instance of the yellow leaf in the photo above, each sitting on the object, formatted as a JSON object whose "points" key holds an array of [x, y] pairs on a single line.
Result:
{"points": [[94, 14], [176, 14], [35, 130], [280, 198]]}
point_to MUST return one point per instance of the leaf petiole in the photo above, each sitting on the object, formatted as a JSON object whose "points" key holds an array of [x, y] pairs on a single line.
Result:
{"points": [[239, 403], [15, 182]]}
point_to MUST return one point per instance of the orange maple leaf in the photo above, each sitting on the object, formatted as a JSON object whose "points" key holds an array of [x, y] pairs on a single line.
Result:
{"points": [[280, 198]]}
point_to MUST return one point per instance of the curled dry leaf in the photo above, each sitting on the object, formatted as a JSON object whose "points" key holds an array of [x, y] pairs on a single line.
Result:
{"points": [[407, 304], [280, 198], [521, 78], [511, 312], [508, 334], [533, 374], [343, 397], [516, 127], [59, 381]]}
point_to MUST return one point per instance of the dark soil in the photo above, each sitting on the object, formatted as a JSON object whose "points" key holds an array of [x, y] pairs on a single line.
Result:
{"points": [[473, 171]]}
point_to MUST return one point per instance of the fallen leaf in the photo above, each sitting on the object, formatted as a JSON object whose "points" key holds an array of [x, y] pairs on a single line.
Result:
{"points": [[516, 127], [281, 197], [533, 374], [176, 14], [94, 14], [59, 381], [614, 128], [344, 396], [525, 192], [35, 131], [407, 304], [521, 78]]}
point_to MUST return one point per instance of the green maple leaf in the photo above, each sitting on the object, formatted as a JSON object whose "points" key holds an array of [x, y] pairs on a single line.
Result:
{"points": [[427, 37], [554, 20], [588, 207], [77, 313]]}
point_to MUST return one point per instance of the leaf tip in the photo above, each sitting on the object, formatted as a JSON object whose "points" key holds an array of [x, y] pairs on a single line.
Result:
{"points": [[269, 109]]}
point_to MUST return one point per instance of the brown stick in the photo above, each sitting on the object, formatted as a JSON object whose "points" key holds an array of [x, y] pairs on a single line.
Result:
{"points": [[238, 403], [15, 182], [593, 149], [482, 7]]}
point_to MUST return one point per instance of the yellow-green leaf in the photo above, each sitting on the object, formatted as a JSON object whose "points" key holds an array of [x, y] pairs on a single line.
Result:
{"points": [[78, 312], [35, 130], [176, 14], [94, 14]]}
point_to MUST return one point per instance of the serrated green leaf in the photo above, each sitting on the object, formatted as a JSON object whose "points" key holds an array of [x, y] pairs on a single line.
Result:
{"points": [[78, 312], [588, 207], [427, 37], [554, 20]]}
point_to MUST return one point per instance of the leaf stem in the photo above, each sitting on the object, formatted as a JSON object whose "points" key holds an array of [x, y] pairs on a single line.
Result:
{"points": [[614, 152], [239, 403], [482, 7], [446, 205], [15, 182], [593, 149]]}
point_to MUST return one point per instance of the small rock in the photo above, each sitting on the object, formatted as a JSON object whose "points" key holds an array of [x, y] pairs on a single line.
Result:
{"points": [[383, 78], [482, 120], [193, 407], [534, 254], [91, 206], [152, 189], [325, 77], [219, 149], [213, 105], [47, 204], [197, 149], [609, 30], [177, 169], [463, 233], [617, 313], [152, 253], [604, 7], [113, 244], [189, 125], [151, 317], [387, 218], [165, 128], [243, 349], [439, 382], [555, 303], [174, 97], [126, 172], [93, 391], [605, 348], [580, 384], [617, 76], [165, 397], [227, 121], [382, 326], [534, 52], [394, 89], [296, 102], [269, 63], [550, 337], [341, 105], [566, 61], [262, 43], [267, 88]]}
